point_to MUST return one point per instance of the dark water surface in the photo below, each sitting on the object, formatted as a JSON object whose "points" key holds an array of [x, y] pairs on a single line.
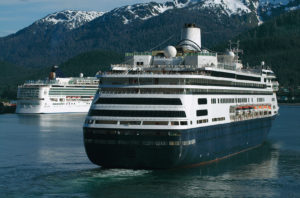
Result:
{"points": [[43, 156]]}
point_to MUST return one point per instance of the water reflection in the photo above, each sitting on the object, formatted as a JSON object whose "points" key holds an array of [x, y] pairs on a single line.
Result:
{"points": [[234, 177], [43, 156], [50, 120], [259, 163], [54, 139]]}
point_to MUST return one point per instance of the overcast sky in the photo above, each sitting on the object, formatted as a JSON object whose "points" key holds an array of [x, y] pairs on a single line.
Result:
{"points": [[17, 14]]}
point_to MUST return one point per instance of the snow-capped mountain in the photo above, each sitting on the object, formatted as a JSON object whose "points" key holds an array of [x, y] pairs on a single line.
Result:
{"points": [[263, 9], [273, 3], [146, 11], [62, 35], [270, 8], [229, 7], [71, 19]]}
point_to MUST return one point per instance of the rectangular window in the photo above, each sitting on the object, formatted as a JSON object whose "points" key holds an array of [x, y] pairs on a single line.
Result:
{"points": [[175, 123], [218, 119], [213, 101], [155, 123], [183, 123], [202, 121], [202, 112], [106, 122], [138, 113], [130, 122], [202, 101], [140, 101]]}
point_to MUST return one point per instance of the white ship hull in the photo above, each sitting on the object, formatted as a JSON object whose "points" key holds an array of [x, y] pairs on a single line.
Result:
{"points": [[29, 108]]}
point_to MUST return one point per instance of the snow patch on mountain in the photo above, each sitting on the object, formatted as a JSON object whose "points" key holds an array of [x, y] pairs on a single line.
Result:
{"points": [[292, 8], [145, 11], [275, 7], [256, 6], [70, 19], [229, 6], [275, 3]]}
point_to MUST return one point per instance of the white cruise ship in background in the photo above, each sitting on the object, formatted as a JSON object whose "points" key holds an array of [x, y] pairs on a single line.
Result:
{"points": [[57, 95], [182, 106]]}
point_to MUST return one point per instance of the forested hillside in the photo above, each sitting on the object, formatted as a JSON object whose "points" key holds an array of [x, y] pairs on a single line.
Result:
{"points": [[88, 63], [277, 42], [12, 76]]}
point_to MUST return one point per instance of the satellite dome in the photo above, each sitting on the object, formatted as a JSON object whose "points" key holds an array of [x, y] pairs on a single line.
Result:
{"points": [[231, 54], [170, 52]]}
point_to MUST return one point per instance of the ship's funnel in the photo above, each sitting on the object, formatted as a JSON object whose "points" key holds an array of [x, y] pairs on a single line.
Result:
{"points": [[52, 74], [190, 38]]}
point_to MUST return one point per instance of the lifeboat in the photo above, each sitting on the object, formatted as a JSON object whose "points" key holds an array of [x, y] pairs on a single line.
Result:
{"points": [[269, 107]]}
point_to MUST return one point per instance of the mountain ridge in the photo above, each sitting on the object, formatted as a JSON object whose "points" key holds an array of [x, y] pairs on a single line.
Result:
{"points": [[71, 19], [62, 35], [277, 42]]}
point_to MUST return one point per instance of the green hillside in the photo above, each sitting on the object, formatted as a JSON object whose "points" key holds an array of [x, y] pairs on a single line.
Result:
{"points": [[11, 77], [90, 62], [277, 42]]}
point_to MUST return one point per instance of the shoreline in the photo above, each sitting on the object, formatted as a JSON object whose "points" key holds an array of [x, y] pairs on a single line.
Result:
{"points": [[289, 104], [7, 108]]}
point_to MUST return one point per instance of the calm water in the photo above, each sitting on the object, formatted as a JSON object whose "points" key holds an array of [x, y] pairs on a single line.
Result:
{"points": [[43, 156]]}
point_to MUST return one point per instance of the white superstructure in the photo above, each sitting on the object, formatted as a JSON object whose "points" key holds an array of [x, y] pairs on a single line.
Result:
{"points": [[58, 95], [210, 89]]}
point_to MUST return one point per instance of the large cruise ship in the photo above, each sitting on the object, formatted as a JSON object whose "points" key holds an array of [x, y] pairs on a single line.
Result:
{"points": [[183, 106], [57, 95]]}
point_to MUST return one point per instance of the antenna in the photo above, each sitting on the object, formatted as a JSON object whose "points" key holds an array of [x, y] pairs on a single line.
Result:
{"points": [[235, 49]]}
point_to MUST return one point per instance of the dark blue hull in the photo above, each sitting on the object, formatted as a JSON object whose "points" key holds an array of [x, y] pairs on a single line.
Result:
{"points": [[153, 149]]}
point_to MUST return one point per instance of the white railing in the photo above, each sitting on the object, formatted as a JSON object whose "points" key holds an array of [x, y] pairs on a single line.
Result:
{"points": [[171, 69]]}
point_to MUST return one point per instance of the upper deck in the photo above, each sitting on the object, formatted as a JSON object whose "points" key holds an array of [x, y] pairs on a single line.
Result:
{"points": [[92, 81]]}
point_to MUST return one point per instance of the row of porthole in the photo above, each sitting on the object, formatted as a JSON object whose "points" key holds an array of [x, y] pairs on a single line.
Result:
{"points": [[146, 143], [230, 100], [166, 123], [135, 133], [162, 123], [218, 119], [202, 121]]}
